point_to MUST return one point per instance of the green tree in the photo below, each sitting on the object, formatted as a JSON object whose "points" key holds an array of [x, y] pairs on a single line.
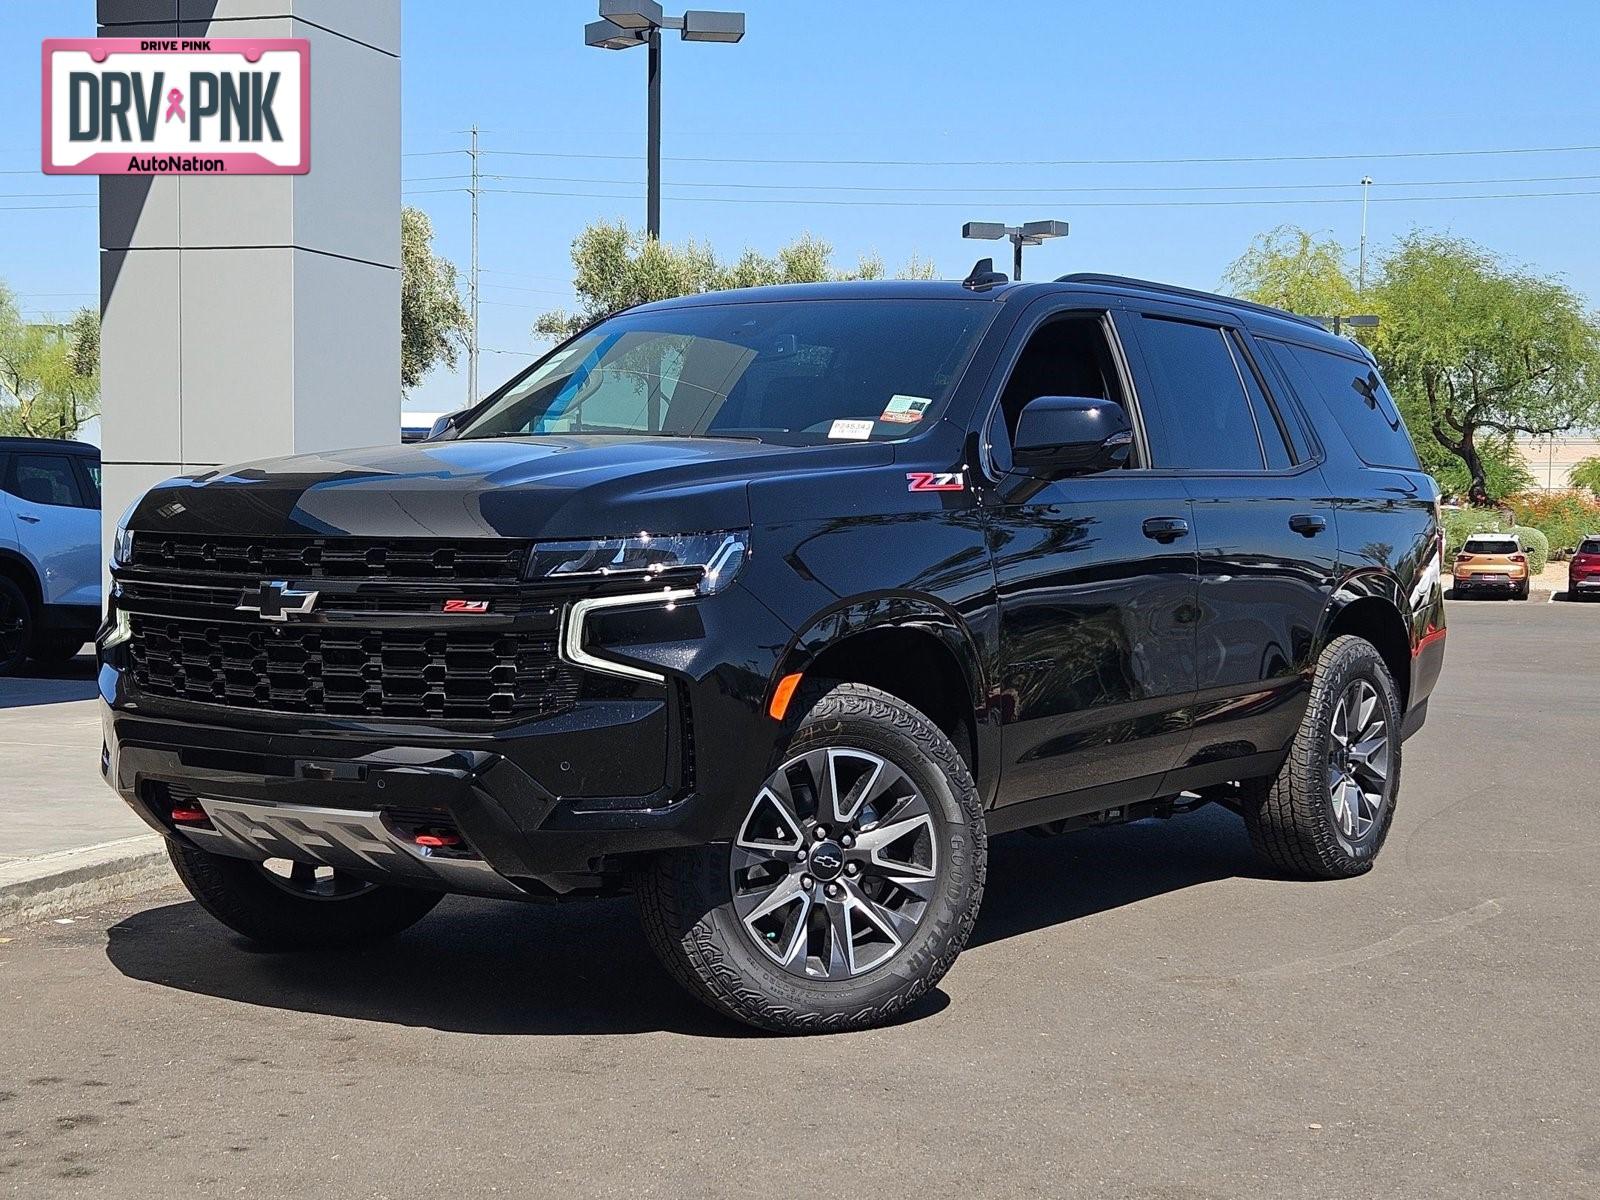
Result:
{"points": [[1504, 472], [615, 267], [433, 322], [1586, 474], [1291, 268], [49, 373], [1475, 349]]}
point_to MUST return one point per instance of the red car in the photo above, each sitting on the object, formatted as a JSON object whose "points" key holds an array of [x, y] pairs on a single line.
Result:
{"points": [[1583, 572]]}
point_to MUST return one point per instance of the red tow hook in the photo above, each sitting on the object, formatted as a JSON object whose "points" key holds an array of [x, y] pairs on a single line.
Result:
{"points": [[437, 841], [190, 816]]}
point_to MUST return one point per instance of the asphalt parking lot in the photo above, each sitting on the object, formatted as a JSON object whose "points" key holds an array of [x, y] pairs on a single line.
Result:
{"points": [[1141, 1014]]}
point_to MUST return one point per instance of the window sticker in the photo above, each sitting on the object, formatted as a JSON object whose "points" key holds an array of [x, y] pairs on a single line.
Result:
{"points": [[855, 431], [904, 410]]}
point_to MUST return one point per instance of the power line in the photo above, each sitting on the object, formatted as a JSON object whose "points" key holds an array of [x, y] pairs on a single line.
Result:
{"points": [[1077, 203], [1064, 162], [1062, 191]]}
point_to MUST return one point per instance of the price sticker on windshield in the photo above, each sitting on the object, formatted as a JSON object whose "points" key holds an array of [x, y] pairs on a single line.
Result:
{"points": [[904, 410]]}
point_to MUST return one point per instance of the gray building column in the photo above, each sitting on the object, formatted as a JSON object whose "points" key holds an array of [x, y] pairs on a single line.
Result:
{"points": [[250, 316]]}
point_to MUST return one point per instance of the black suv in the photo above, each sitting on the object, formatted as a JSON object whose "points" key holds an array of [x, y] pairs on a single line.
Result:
{"points": [[772, 606]]}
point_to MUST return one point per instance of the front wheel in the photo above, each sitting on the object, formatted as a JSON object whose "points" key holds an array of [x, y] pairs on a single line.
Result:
{"points": [[1326, 813], [296, 906], [851, 886]]}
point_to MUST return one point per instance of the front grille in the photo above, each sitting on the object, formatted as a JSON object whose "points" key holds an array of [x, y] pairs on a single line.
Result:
{"points": [[353, 671], [448, 560]]}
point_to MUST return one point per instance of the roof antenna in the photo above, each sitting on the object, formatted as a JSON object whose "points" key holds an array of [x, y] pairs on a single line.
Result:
{"points": [[984, 276]]}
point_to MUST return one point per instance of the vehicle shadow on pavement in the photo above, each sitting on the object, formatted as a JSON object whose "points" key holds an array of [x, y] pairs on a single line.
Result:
{"points": [[56, 684], [1038, 882], [480, 966]]}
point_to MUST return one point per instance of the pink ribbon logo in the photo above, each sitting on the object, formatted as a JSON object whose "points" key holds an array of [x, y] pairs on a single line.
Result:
{"points": [[174, 106]]}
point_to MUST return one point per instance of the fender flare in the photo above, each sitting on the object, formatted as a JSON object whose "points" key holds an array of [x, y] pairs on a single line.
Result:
{"points": [[886, 610]]}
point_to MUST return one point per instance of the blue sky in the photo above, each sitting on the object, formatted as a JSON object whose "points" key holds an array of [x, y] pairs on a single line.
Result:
{"points": [[1036, 84]]}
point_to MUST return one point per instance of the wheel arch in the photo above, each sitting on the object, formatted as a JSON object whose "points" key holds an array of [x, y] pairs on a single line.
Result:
{"points": [[23, 573], [1371, 606], [910, 646]]}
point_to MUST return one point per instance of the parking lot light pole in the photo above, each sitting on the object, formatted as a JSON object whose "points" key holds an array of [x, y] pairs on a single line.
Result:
{"points": [[1031, 233], [1358, 321], [624, 24]]}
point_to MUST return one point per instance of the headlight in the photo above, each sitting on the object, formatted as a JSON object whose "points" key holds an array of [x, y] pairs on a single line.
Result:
{"points": [[705, 561], [122, 543]]}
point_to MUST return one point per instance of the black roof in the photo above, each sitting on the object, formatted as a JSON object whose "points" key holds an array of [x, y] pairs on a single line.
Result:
{"points": [[58, 445]]}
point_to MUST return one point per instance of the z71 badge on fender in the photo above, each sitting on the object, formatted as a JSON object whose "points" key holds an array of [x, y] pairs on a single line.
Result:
{"points": [[936, 481]]}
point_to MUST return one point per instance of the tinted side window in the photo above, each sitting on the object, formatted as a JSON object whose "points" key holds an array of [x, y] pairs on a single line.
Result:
{"points": [[1198, 415], [1267, 424], [43, 479], [1358, 400]]}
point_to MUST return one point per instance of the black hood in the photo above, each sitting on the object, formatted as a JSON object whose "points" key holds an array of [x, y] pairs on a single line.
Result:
{"points": [[542, 487]]}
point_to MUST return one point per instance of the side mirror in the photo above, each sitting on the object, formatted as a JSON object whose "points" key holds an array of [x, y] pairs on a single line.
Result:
{"points": [[1071, 435], [445, 426]]}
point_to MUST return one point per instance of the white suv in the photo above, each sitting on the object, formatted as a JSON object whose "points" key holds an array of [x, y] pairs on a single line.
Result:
{"points": [[49, 549]]}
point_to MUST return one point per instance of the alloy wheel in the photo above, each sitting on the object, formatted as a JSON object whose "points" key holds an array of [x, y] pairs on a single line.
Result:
{"points": [[835, 864], [1359, 751]]}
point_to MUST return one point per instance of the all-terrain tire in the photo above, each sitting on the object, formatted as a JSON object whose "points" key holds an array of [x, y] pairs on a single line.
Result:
{"points": [[240, 895], [685, 898], [1291, 817]]}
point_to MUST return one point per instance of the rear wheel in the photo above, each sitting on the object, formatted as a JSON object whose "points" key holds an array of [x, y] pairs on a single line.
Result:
{"points": [[851, 886], [1326, 813], [1522, 590], [296, 906], [16, 627]]}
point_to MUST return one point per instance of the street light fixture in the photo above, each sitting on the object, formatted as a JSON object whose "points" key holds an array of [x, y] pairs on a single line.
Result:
{"points": [[1337, 324], [624, 24], [1030, 233]]}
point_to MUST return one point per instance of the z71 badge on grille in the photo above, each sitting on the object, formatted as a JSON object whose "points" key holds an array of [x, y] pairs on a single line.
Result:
{"points": [[465, 606], [276, 602]]}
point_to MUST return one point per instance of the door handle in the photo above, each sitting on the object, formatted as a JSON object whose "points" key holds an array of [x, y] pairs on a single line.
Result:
{"points": [[27, 518], [1307, 524], [1165, 529]]}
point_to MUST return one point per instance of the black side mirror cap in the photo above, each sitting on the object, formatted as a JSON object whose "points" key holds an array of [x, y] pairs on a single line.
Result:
{"points": [[445, 427], [1059, 436]]}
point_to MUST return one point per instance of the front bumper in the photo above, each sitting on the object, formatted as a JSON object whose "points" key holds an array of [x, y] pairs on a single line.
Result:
{"points": [[557, 805]]}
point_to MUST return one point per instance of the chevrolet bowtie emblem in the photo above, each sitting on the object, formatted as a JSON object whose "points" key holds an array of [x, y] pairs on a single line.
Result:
{"points": [[276, 602]]}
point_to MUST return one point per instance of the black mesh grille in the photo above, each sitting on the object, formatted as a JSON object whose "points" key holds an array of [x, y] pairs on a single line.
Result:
{"points": [[458, 560], [341, 670]]}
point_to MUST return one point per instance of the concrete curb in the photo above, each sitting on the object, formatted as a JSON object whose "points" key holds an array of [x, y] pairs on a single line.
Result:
{"points": [[49, 884]]}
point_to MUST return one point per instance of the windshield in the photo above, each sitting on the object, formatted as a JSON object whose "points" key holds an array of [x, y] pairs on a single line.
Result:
{"points": [[801, 371]]}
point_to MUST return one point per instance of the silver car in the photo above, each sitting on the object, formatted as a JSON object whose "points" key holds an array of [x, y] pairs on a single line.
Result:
{"points": [[49, 549]]}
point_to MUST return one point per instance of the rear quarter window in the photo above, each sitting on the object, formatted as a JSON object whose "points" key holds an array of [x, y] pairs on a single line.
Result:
{"points": [[1356, 397]]}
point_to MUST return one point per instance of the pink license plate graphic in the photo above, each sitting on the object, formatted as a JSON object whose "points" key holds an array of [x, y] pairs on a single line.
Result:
{"points": [[176, 106]]}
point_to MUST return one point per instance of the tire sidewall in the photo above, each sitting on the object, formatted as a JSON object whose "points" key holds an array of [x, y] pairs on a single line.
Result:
{"points": [[1358, 661], [876, 723]]}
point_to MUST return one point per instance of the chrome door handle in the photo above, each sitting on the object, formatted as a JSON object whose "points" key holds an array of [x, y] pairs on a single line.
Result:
{"points": [[1165, 529]]}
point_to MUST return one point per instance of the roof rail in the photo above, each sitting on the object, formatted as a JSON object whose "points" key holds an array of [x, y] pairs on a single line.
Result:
{"points": [[1191, 293]]}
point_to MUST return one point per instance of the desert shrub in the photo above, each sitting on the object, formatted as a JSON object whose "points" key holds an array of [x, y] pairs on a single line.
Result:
{"points": [[1565, 517]]}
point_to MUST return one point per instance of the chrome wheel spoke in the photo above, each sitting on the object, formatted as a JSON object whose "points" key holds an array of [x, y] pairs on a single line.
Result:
{"points": [[835, 863]]}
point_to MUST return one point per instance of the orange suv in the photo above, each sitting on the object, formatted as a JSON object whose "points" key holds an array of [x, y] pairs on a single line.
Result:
{"points": [[1492, 562]]}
